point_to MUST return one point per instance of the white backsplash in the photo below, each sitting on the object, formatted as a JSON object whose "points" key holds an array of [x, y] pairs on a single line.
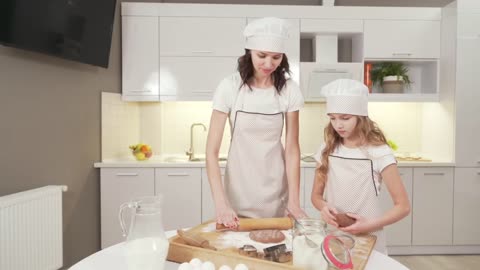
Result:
{"points": [[166, 126], [120, 126]]}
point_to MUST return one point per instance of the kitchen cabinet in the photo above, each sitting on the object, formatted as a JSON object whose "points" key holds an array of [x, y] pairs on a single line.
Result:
{"points": [[117, 186], [193, 78], [208, 206], [467, 130], [140, 66], [401, 39], [181, 191], [432, 206], [308, 177], [399, 233], [201, 36], [466, 221]]}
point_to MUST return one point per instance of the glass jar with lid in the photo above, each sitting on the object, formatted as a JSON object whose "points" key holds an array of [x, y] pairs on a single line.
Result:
{"points": [[314, 249]]}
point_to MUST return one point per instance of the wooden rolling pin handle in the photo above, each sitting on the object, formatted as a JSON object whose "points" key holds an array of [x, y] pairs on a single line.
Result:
{"points": [[250, 224]]}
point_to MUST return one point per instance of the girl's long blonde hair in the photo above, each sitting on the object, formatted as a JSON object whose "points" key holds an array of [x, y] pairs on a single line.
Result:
{"points": [[366, 129]]}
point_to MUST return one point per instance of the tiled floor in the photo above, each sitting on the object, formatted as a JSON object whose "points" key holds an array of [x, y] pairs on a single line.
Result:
{"points": [[444, 262]]}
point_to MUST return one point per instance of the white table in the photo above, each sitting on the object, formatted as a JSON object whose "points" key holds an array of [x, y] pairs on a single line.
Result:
{"points": [[113, 258]]}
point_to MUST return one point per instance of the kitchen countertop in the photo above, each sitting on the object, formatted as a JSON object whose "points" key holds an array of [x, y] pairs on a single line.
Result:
{"points": [[181, 162]]}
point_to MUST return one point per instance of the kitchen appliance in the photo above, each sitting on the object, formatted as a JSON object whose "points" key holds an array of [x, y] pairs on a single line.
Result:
{"points": [[313, 76]]}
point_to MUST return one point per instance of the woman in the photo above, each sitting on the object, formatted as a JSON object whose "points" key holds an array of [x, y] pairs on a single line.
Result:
{"points": [[260, 173]]}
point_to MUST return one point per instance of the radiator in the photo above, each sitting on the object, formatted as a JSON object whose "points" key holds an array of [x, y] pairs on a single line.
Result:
{"points": [[31, 234]]}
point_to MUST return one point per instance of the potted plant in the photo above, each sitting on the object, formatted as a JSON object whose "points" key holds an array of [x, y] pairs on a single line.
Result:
{"points": [[391, 76]]}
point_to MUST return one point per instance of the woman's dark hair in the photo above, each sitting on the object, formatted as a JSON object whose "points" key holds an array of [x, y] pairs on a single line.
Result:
{"points": [[246, 69]]}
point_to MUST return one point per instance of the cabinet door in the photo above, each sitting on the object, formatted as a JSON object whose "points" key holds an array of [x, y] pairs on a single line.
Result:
{"points": [[400, 233], [193, 78], [195, 36], [466, 221], [181, 190], [402, 39], [117, 186], [309, 176], [467, 149], [432, 206], [208, 206], [140, 58]]}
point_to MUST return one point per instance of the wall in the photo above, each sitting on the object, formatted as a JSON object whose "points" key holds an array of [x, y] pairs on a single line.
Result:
{"points": [[50, 134], [166, 127]]}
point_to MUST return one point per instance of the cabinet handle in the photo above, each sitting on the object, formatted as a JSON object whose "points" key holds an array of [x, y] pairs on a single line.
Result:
{"points": [[127, 174], [202, 51], [178, 174], [401, 54], [434, 173], [478, 173], [401, 174], [140, 91], [202, 91]]}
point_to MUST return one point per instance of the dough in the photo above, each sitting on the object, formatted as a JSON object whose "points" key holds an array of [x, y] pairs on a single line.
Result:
{"points": [[343, 220], [267, 236]]}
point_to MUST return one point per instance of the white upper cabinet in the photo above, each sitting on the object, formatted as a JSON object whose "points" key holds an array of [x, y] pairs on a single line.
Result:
{"points": [[316, 26], [140, 58], [193, 78], [467, 95], [197, 36], [402, 39]]}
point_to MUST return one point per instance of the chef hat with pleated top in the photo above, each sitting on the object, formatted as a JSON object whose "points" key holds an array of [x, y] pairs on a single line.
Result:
{"points": [[266, 34], [346, 96]]}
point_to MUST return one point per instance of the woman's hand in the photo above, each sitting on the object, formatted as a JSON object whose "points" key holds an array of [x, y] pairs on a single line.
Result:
{"points": [[295, 211], [361, 225], [328, 213], [227, 217]]}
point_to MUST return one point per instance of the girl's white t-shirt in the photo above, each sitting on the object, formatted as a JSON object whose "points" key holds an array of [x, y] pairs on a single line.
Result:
{"points": [[229, 98], [381, 157]]}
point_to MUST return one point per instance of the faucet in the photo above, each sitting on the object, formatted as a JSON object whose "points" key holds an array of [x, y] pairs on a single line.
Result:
{"points": [[190, 153]]}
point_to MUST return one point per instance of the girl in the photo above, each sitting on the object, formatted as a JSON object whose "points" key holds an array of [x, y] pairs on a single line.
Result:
{"points": [[353, 163], [260, 173]]}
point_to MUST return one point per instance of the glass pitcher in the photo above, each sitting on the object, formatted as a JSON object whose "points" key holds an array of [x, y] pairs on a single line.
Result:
{"points": [[315, 249], [146, 243]]}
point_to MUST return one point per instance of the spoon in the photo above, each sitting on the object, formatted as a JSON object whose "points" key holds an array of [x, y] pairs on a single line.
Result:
{"points": [[309, 241]]}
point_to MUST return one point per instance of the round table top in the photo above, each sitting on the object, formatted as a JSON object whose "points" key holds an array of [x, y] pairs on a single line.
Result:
{"points": [[113, 258]]}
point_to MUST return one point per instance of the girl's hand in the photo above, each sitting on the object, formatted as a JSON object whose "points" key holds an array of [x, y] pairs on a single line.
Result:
{"points": [[328, 215], [295, 211], [227, 217], [361, 225]]}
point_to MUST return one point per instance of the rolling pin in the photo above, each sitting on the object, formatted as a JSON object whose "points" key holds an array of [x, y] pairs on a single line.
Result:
{"points": [[250, 224]]}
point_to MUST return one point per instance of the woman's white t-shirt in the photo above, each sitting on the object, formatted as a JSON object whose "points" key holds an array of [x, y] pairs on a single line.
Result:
{"points": [[229, 98]]}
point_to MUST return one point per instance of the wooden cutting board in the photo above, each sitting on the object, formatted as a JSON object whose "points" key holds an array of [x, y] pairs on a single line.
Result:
{"points": [[227, 253]]}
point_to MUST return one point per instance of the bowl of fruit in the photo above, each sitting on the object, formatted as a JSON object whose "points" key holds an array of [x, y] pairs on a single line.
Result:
{"points": [[141, 151]]}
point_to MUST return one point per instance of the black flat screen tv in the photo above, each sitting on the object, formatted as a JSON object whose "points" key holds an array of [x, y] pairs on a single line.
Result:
{"points": [[79, 30]]}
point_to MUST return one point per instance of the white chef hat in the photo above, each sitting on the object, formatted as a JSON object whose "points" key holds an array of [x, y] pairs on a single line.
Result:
{"points": [[266, 34], [346, 96]]}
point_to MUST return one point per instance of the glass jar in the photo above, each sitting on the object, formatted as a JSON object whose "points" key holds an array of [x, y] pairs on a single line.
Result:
{"points": [[314, 249]]}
